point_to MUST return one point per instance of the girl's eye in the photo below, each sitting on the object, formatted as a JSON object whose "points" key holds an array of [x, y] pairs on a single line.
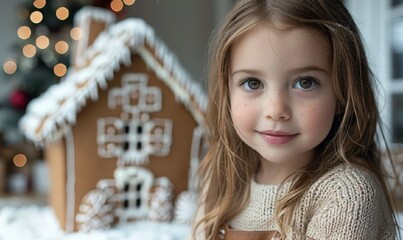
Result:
{"points": [[306, 83], [251, 84]]}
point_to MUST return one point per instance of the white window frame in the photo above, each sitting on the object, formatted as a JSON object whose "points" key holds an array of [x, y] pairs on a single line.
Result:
{"points": [[374, 18], [396, 84]]}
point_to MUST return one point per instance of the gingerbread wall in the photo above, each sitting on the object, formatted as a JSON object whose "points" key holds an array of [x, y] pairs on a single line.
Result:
{"points": [[55, 155]]}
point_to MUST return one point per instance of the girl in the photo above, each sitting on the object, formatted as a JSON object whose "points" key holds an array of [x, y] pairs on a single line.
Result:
{"points": [[292, 122]]}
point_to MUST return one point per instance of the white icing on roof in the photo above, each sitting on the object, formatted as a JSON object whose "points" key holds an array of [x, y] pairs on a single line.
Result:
{"points": [[98, 14], [57, 108], [82, 20]]}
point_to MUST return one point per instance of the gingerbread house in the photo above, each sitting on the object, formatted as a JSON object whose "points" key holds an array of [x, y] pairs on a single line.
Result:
{"points": [[123, 131]]}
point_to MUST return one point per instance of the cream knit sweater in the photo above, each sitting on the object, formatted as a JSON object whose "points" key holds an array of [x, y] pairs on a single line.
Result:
{"points": [[346, 203]]}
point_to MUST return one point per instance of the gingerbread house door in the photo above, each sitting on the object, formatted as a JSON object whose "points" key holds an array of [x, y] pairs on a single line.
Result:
{"points": [[134, 185]]}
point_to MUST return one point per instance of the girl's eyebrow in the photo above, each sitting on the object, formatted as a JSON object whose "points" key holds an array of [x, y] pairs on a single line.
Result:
{"points": [[310, 69], [295, 70], [247, 71]]}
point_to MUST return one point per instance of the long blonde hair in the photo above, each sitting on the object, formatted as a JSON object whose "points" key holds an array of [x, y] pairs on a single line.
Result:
{"points": [[229, 163]]}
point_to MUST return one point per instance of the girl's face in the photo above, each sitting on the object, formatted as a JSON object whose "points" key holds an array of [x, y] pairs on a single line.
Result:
{"points": [[282, 99]]}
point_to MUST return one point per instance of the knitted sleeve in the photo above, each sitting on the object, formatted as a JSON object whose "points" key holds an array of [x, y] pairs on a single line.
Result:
{"points": [[355, 209]]}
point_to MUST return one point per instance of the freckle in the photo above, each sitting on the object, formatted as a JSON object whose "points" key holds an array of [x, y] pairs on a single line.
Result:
{"points": [[313, 109]]}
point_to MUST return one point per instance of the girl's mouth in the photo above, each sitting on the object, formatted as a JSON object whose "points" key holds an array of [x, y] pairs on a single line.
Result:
{"points": [[277, 137]]}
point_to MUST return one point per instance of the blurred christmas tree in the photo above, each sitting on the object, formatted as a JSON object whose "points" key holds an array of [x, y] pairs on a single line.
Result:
{"points": [[42, 49]]}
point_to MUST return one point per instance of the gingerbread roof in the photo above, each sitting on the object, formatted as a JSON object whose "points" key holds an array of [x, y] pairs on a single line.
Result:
{"points": [[49, 115]]}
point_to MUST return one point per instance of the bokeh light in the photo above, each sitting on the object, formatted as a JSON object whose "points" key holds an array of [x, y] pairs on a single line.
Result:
{"points": [[62, 13], [117, 5], [129, 2], [60, 69], [42, 42], [76, 33], [20, 160], [39, 3], [10, 66], [29, 50], [61, 47], [36, 17], [24, 32]]}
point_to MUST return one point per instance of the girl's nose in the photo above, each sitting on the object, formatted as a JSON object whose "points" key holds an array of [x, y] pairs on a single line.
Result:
{"points": [[278, 108]]}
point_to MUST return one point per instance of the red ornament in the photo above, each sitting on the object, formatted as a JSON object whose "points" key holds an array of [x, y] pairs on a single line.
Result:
{"points": [[19, 99]]}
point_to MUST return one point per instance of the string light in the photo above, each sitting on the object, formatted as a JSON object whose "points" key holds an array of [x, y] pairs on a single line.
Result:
{"points": [[42, 42], [76, 33], [61, 47], [117, 5], [60, 69], [129, 2], [62, 13], [20, 160], [24, 32], [39, 3], [29, 50], [36, 17], [10, 66]]}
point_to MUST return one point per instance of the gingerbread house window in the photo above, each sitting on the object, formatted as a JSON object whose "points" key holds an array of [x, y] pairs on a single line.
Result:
{"points": [[133, 139]]}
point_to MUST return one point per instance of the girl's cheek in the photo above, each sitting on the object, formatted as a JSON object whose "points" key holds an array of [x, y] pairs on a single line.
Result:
{"points": [[320, 117], [242, 114]]}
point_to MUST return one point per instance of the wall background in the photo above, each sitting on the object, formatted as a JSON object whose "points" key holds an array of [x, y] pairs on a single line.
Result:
{"points": [[183, 25]]}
